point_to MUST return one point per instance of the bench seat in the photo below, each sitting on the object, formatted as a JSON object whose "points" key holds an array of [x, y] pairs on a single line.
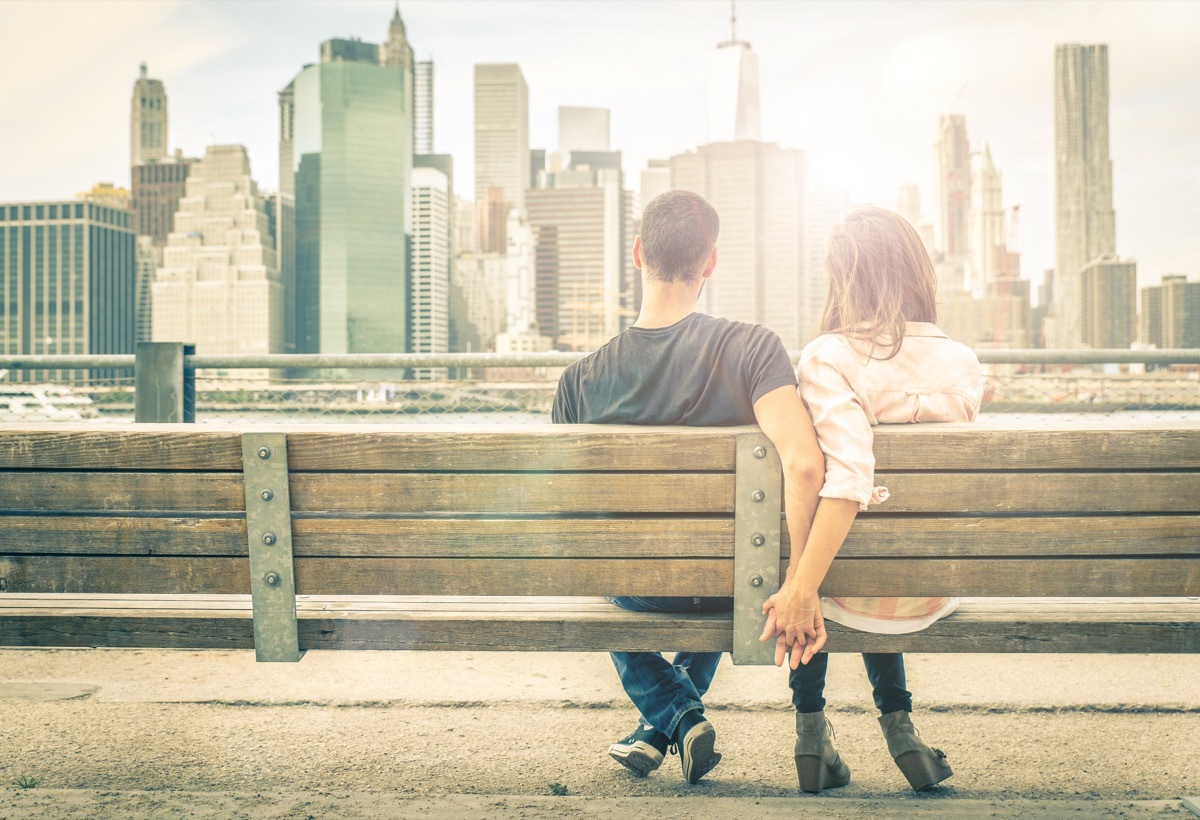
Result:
{"points": [[1108, 625]]}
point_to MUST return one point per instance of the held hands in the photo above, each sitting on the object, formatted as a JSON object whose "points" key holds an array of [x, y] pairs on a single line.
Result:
{"points": [[795, 617]]}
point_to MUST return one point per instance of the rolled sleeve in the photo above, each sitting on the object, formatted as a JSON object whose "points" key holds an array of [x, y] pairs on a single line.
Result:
{"points": [[843, 430]]}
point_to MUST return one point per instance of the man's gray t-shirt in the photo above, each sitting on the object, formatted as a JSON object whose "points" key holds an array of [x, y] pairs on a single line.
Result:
{"points": [[701, 371]]}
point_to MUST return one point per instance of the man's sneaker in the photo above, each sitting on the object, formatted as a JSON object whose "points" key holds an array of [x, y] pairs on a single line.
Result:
{"points": [[642, 752], [695, 739]]}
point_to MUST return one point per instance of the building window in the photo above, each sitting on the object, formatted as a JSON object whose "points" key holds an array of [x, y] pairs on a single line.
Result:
{"points": [[79, 211], [54, 212]]}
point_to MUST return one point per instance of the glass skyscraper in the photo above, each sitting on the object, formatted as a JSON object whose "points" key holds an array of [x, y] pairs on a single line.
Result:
{"points": [[350, 146]]}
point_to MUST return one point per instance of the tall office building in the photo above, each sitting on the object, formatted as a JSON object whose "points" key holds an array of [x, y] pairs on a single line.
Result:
{"points": [[501, 132], [349, 128], [583, 230], [989, 242], [520, 301], [157, 187], [759, 190], [478, 301], [429, 289], [733, 90], [582, 129], [148, 120], [908, 204], [655, 180], [1085, 224], [823, 210], [66, 283], [1170, 316], [219, 285], [423, 107], [953, 158], [1108, 302]]}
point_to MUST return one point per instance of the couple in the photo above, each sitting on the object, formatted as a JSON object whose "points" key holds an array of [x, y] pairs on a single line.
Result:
{"points": [[880, 359]]}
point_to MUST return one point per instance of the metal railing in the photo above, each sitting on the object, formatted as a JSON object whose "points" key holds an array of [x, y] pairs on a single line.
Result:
{"points": [[168, 382]]}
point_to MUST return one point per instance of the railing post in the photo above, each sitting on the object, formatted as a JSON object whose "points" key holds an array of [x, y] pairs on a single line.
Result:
{"points": [[164, 387], [758, 501]]}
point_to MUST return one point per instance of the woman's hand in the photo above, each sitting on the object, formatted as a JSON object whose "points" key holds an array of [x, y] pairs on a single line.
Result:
{"points": [[794, 619]]}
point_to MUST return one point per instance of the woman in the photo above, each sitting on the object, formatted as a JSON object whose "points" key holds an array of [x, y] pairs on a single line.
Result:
{"points": [[880, 360]]}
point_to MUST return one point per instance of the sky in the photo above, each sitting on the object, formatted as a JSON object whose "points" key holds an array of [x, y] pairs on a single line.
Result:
{"points": [[857, 85]]}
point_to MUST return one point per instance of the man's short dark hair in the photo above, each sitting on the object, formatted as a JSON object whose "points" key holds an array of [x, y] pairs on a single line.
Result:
{"points": [[679, 230]]}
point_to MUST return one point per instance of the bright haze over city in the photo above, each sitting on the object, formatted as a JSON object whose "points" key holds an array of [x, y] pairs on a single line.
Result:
{"points": [[857, 85]]}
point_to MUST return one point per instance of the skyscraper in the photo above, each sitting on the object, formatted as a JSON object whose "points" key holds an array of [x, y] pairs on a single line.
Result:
{"points": [[429, 300], [823, 210], [219, 285], [908, 204], [1108, 302], [1085, 224], [66, 282], [582, 129], [148, 120], [989, 243], [351, 170], [655, 180], [954, 184], [759, 190], [733, 90], [583, 229], [1170, 315], [501, 132], [423, 107]]}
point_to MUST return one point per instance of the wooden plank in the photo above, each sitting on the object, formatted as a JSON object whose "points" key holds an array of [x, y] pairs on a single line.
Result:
{"points": [[513, 493], [119, 447], [517, 537], [1017, 493], [984, 445], [999, 445], [985, 577], [121, 492], [117, 535], [589, 625], [875, 536], [531, 447], [373, 576], [376, 537], [882, 536], [602, 576]]}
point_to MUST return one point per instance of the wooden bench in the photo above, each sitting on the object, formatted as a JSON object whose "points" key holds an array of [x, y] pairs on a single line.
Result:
{"points": [[481, 538]]}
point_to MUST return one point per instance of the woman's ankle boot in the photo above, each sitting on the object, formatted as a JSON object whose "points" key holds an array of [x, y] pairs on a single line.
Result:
{"points": [[922, 766], [818, 764]]}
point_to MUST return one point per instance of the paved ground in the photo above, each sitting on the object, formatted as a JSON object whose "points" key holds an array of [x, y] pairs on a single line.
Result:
{"points": [[159, 733]]}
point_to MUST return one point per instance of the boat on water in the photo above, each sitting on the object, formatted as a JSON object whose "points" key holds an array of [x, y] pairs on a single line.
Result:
{"points": [[44, 402]]}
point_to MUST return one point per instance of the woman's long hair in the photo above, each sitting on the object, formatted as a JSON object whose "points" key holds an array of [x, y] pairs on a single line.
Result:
{"points": [[879, 276]]}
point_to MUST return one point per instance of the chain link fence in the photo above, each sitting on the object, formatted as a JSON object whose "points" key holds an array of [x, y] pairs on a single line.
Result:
{"points": [[493, 390]]}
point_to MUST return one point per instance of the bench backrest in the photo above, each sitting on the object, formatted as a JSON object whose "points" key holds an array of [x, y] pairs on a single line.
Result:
{"points": [[543, 510]]}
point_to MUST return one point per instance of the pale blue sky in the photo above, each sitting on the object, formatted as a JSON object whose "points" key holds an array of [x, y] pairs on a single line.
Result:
{"points": [[857, 85]]}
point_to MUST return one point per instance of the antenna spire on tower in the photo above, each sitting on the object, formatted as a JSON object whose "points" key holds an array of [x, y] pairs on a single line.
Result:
{"points": [[733, 21]]}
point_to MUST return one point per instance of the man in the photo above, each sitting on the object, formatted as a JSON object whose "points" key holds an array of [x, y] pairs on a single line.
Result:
{"points": [[677, 366]]}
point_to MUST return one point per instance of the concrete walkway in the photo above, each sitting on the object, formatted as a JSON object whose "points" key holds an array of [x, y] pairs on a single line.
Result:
{"points": [[154, 733]]}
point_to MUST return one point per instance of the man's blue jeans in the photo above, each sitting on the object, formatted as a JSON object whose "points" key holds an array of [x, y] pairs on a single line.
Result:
{"points": [[663, 692]]}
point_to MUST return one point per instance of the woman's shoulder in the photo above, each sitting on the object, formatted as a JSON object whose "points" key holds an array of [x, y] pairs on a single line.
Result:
{"points": [[826, 345]]}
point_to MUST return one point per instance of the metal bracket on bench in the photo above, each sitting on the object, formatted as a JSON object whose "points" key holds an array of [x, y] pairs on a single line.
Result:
{"points": [[269, 532], [758, 500]]}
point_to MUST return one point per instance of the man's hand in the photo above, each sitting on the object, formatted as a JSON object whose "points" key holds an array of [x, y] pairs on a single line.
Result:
{"points": [[795, 620]]}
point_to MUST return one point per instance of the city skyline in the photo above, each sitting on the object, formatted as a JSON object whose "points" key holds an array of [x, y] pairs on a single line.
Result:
{"points": [[832, 86]]}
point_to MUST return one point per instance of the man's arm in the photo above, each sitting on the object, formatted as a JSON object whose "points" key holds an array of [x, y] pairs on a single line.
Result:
{"points": [[783, 418]]}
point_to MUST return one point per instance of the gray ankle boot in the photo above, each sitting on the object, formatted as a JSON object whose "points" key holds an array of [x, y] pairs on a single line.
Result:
{"points": [[922, 766], [818, 764]]}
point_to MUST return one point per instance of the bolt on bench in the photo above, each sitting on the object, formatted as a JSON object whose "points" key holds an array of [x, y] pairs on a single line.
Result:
{"points": [[1064, 539]]}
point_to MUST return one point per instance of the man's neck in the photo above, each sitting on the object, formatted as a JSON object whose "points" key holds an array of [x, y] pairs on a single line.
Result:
{"points": [[665, 304]]}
